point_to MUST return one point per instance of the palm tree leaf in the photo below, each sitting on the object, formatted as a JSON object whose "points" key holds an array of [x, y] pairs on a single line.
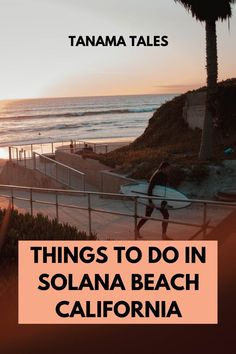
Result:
{"points": [[206, 10]]}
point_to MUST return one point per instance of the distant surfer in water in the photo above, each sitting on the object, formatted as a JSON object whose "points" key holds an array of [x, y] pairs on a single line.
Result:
{"points": [[160, 178]]}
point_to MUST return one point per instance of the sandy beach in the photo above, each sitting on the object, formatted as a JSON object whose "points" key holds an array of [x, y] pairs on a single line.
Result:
{"points": [[114, 143], [100, 145]]}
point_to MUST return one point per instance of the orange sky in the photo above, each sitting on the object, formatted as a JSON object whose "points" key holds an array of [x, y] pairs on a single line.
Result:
{"points": [[37, 60]]}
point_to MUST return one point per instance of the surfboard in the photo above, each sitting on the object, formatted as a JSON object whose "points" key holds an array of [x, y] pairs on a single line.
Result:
{"points": [[140, 189]]}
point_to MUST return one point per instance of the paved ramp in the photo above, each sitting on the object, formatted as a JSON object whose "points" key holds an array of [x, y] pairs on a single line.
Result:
{"points": [[73, 209]]}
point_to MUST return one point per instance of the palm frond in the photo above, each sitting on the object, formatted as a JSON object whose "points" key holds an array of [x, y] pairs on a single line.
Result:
{"points": [[205, 10]]}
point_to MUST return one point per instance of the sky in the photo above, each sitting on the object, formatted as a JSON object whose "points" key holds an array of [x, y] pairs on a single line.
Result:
{"points": [[37, 60]]}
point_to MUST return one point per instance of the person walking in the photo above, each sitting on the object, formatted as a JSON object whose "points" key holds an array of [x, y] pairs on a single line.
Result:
{"points": [[71, 146], [159, 177]]}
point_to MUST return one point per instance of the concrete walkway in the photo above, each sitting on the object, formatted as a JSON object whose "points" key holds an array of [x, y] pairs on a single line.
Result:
{"points": [[58, 172], [108, 226]]}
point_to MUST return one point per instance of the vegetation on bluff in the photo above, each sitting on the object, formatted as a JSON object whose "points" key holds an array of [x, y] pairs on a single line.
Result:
{"points": [[168, 136]]}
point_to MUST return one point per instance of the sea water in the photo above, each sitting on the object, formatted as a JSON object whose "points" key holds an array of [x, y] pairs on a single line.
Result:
{"points": [[83, 118]]}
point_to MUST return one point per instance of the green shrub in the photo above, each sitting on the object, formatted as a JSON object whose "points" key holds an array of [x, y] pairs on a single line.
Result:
{"points": [[198, 173], [27, 227]]}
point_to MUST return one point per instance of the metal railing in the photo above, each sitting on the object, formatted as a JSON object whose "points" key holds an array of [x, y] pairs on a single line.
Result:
{"points": [[18, 154], [51, 147], [112, 179], [32, 196], [60, 172], [79, 145]]}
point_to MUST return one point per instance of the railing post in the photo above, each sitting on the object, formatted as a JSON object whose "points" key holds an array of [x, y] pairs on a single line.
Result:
{"points": [[68, 177], [31, 202], [45, 167], [106, 149], [101, 184], [24, 158], [135, 217], [34, 160], [57, 211], [20, 154], [17, 158], [69, 172], [56, 172], [52, 148], [9, 149], [204, 219], [89, 214], [12, 198], [83, 181]]}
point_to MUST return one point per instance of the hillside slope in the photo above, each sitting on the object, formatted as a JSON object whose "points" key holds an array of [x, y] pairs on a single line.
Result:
{"points": [[168, 136]]}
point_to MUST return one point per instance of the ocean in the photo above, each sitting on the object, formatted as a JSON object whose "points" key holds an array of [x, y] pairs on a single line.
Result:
{"points": [[83, 118]]}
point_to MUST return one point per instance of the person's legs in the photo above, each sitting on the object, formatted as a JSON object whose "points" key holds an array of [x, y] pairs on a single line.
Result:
{"points": [[164, 229], [148, 213], [165, 215]]}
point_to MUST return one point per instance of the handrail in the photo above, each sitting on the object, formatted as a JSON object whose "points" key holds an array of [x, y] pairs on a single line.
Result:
{"points": [[204, 225], [125, 196], [61, 142], [83, 142], [65, 177], [59, 163], [58, 176], [54, 144]]}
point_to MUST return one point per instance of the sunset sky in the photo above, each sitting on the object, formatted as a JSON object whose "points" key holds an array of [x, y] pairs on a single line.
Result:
{"points": [[37, 59]]}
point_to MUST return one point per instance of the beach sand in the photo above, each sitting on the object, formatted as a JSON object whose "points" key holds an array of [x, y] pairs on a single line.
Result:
{"points": [[100, 145], [106, 145]]}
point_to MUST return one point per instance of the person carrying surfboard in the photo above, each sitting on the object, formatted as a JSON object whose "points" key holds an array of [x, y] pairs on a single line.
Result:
{"points": [[160, 178]]}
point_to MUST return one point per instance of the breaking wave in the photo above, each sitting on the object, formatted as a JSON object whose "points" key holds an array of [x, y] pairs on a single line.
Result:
{"points": [[81, 114]]}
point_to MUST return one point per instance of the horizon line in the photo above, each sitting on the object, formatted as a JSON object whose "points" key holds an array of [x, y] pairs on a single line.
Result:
{"points": [[85, 96]]}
